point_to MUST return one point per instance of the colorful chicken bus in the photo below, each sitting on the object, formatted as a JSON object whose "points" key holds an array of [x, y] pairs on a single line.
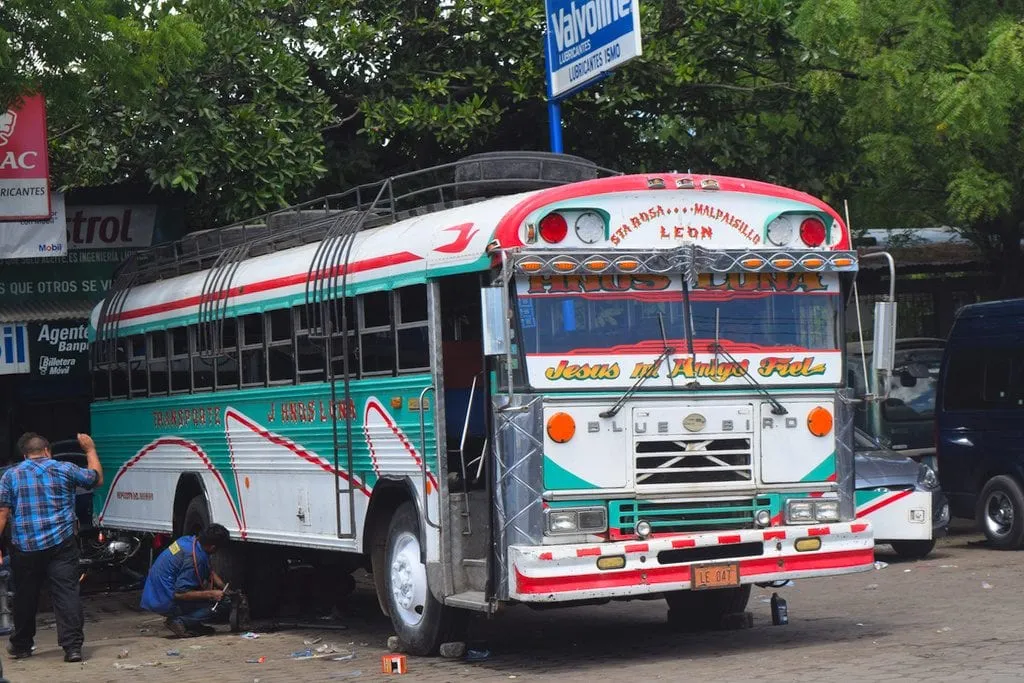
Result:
{"points": [[529, 381]]}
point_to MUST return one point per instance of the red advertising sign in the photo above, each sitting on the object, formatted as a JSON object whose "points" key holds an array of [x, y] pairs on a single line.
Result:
{"points": [[24, 164]]}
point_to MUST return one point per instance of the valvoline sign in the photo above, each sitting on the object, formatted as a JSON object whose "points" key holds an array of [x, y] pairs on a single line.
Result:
{"points": [[586, 38], [24, 164]]}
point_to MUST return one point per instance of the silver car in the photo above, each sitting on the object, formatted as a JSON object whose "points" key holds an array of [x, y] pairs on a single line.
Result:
{"points": [[898, 495]]}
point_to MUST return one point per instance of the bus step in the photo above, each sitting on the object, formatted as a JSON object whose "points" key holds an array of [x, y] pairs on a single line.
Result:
{"points": [[474, 600]]}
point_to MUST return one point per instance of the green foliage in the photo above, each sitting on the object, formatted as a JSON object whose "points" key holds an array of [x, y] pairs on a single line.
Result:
{"points": [[933, 94], [243, 105]]}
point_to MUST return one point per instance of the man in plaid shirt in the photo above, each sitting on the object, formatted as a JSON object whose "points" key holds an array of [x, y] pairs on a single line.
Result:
{"points": [[39, 494]]}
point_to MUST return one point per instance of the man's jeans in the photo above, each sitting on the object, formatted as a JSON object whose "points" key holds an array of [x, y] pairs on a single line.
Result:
{"points": [[191, 613], [58, 565]]}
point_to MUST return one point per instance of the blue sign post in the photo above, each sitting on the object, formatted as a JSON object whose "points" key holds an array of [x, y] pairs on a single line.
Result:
{"points": [[584, 41]]}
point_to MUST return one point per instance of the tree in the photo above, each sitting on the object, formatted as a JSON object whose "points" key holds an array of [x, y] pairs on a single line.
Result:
{"points": [[245, 105], [932, 93]]}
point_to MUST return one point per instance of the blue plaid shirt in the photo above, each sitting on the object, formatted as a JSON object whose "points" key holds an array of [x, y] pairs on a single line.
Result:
{"points": [[41, 496]]}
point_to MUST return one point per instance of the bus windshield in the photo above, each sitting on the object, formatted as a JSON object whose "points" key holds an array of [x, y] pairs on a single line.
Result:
{"points": [[625, 314]]}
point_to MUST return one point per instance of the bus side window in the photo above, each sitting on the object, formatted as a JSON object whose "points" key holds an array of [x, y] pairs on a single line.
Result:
{"points": [[100, 382], [252, 357], [413, 339], [138, 367], [227, 362], [119, 371], [377, 333], [158, 368], [309, 354], [338, 340], [280, 346], [202, 368], [181, 360]]}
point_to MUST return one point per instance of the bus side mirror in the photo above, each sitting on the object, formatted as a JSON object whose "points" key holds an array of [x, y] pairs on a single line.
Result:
{"points": [[884, 343], [495, 332]]}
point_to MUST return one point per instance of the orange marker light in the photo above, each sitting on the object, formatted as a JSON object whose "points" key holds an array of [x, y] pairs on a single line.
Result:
{"points": [[842, 262], [782, 263], [563, 266], [819, 421], [752, 263], [561, 427], [596, 264], [627, 264], [530, 266], [813, 262]]}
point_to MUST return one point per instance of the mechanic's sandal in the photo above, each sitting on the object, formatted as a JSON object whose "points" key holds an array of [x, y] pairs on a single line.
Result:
{"points": [[176, 627], [73, 654], [15, 653]]}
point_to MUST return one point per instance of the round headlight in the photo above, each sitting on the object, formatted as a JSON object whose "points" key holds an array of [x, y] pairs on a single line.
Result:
{"points": [[643, 529], [590, 227], [780, 231], [763, 518], [928, 478]]}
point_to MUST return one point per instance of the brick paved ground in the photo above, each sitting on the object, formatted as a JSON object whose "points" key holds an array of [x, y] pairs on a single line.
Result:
{"points": [[955, 615]]}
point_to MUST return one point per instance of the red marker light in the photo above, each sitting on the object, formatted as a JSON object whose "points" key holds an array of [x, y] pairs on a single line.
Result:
{"points": [[812, 232], [553, 228]]}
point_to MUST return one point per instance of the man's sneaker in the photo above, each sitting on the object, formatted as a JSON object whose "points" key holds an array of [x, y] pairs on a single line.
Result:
{"points": [[202, 630], [73, 654], [176, 627], [15, 653]]}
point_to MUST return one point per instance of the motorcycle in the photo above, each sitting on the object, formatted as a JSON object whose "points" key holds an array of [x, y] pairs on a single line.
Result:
{"points": [[99, 551]]}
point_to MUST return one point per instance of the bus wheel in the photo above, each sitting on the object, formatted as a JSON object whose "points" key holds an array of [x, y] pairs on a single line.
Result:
{"points": [[705, 609], [913, 550], [1001, 512], [197, 517], [421, 622]]}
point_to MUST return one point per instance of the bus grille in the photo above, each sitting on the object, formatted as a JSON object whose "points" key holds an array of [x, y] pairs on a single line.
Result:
{"points": [[684, 516], [694, 460]]}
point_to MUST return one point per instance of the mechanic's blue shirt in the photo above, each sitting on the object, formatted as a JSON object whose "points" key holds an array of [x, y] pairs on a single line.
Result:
{"points": [[184, 566]]}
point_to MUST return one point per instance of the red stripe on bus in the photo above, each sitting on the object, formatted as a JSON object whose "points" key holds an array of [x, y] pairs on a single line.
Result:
{"points": [[395, 259], [587, 552], [296, 449], [681, 573], [775, 535], [638, 548], [729, 539], [184, 444], [818, 531], [684, 543], [858, 528], [545, 556]]}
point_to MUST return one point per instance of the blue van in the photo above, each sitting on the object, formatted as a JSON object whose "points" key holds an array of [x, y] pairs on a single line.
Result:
{"points": [[980, 419]]}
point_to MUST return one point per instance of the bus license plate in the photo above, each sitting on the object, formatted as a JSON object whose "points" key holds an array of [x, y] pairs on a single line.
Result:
{"points": [[715, 575]]}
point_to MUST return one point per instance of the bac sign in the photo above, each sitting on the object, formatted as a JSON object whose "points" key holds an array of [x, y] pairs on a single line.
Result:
{"points": [[24, 166], [586, 38]]}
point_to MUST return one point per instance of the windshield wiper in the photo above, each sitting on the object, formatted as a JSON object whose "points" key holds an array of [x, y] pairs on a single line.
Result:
{"points": [[777, 408], [614, 410]]}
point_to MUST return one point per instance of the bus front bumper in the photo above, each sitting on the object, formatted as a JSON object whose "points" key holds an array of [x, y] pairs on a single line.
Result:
{"points": [[672, 562]]}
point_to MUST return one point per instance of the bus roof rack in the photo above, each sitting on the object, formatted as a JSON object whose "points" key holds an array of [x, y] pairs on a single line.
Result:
{"points": [[332, 221], [386, 201]]}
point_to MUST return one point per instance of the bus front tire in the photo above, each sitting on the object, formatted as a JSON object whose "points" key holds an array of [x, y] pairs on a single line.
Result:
{"points": [[420, 621], [705, 609], [1001, 512]]}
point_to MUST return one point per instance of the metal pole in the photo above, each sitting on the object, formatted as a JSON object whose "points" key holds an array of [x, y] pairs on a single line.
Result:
{"points": [[555, 125]]}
